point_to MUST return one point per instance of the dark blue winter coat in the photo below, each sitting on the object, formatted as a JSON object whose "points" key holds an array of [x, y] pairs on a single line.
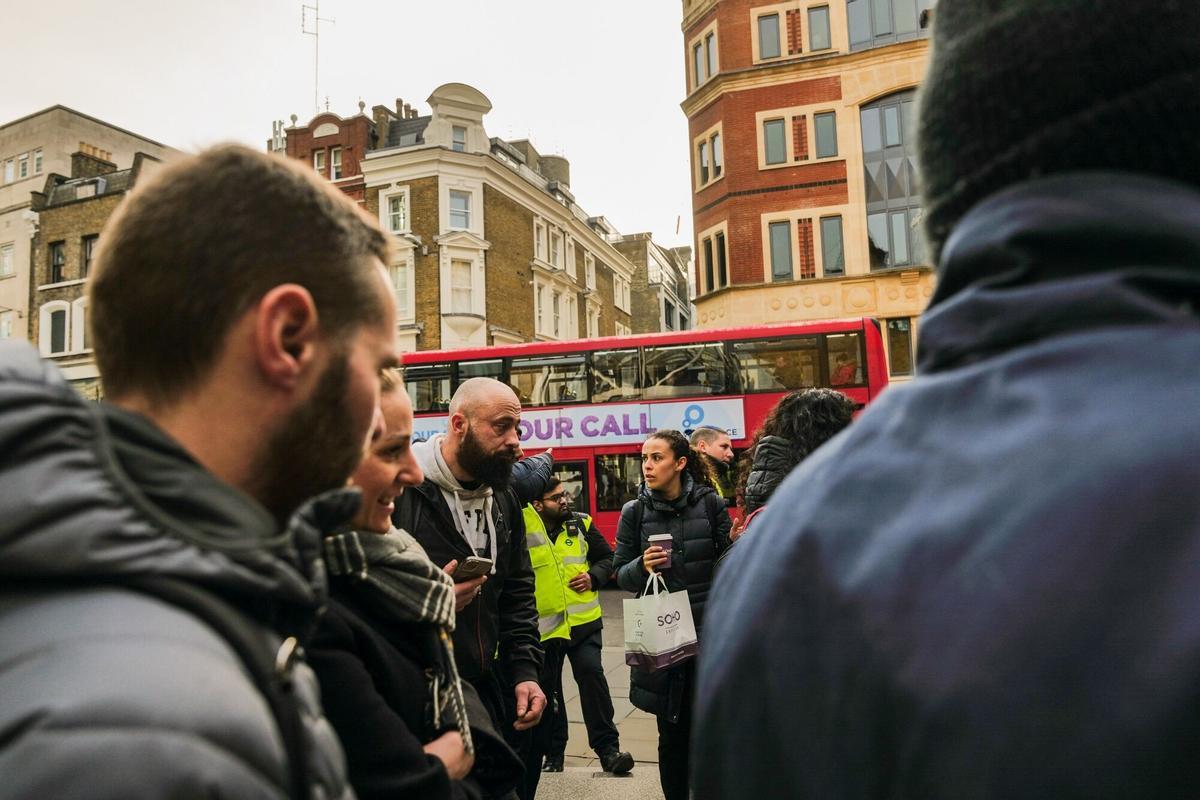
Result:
{"points": [[989, 585]]}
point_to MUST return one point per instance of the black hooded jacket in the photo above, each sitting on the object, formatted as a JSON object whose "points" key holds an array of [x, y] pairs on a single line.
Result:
{"points": [[772, 462]]}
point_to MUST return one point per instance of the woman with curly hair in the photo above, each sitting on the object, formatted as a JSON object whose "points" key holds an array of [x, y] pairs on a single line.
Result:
{"points": [[799, 423]]}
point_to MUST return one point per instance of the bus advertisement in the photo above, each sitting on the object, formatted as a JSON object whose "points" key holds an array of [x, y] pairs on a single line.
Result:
{"points": [[596, 400]]}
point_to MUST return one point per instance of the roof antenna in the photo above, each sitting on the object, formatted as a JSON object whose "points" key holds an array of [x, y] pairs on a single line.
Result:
{"points": [[317, 19]]}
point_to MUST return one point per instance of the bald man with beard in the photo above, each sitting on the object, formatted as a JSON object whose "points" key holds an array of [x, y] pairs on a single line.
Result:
{"points": [[467, 508]]}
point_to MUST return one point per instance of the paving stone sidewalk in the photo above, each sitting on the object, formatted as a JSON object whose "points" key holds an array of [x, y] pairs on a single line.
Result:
{"points": [[583, 778]]}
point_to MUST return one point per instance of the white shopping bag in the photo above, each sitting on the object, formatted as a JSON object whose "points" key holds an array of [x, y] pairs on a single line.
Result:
{"points": [[659, 630]]}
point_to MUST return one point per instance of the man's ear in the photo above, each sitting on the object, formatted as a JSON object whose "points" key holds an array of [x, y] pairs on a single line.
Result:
{"points": [[459, 423], [286, 332]]}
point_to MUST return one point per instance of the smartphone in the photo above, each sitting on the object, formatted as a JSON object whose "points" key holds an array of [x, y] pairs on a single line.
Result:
{"points": [[473, 567]]}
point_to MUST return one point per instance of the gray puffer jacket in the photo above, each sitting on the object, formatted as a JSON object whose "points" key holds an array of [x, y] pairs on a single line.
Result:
{"points": [[107, 692]]}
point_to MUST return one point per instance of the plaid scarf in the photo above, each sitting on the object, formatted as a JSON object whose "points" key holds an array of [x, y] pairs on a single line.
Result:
{"points": [[405, 584]]}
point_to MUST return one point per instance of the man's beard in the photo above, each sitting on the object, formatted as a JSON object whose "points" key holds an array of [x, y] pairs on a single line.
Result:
{"points": [[314, 450], [493, 469]]}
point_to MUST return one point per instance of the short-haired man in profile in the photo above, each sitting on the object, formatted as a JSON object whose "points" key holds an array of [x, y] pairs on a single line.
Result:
{"points": [[466, 508], [240, 316], [717, 448], [987, 586]]}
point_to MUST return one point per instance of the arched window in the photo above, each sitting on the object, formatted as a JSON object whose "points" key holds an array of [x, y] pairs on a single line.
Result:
{"points": [[54, 328], [890, 177]]}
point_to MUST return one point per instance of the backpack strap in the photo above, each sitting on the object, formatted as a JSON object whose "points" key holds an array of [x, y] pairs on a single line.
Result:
{"points": [[270, 670]]}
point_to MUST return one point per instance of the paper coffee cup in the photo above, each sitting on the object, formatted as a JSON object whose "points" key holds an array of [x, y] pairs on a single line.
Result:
{"points": [[664, 541]]}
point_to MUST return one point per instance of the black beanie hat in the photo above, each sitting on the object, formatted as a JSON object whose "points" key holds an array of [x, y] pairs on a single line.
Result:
{"points": [[1018, 89]]}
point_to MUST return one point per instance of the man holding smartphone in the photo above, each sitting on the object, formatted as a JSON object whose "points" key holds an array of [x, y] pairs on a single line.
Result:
{"points": [[468, 518]]}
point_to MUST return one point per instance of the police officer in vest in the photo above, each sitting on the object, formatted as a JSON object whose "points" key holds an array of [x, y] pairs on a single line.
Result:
{"points": [[571, 561]]}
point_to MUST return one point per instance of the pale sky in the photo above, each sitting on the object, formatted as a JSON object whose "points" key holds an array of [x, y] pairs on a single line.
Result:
{"points": [[599, 83]]}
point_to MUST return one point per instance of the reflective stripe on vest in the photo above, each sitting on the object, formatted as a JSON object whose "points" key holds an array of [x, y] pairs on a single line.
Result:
{"points": [[548, 625], [583, 608]]}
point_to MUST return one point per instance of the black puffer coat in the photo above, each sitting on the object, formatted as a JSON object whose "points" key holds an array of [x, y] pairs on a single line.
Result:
{"points": [[699, 527], [772, 462]]}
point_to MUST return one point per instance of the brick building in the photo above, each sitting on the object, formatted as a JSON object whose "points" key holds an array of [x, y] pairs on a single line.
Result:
{"points": [[492, 247], [804, 198], [71, 213], [662, 299], [31, 148]]}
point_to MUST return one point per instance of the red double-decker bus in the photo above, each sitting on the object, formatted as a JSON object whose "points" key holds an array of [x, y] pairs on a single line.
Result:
{"points": [[596, 400]]}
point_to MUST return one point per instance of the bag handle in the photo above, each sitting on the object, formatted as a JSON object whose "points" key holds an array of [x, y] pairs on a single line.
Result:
{"points": [[654, 580]]}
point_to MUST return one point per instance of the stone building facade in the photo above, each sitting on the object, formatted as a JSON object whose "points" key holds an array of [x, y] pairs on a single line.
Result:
{"points": [[661, 295], [31, 148], [71, 213], [805, 204], [491, 245]]}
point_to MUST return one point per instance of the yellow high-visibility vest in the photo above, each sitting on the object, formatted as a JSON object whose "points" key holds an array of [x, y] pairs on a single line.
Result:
{"points": [[555, 563]]}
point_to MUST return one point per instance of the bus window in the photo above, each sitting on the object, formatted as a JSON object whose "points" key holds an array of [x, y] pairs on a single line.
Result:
{"points": [[573, 475], [845, 359], [685, 370], [615, 376], [778, 365], [617, 480], [549, 380], [492, 368], [428, 386]]}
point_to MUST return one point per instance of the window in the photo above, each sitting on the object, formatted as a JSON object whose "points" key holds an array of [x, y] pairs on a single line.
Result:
{"points": [[335, 163], [703, 160], [556, 248], [556, 313], [54, 327], [10, 170], [6, 324], [818, 29], [826, 129], [593, 322], [890, 178], [571, 257], [460, 287], [774, 141], [772, 365], [709, 277], [874, 23], [428, 386], [589, 270], [397, 213], [668, 315], [37, 161], [58, 262], [768, 36], [710, 51], [401, 275], [460, 210], [549, 380], [833, 255], [458, 139], [722, 271], [616, 375], [319, 161], [492, 368], [81, 338], [539, 309], [710, 159], [617, 480], [845, 359], [781, 250], [23, 165], [717, 157], [683, 370], [89, 252], [698, 64], [7, 265], [900, 349], [620, 328]]}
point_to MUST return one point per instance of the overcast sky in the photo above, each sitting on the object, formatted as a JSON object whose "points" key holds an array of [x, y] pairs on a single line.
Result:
{"points": [[599, 83]]}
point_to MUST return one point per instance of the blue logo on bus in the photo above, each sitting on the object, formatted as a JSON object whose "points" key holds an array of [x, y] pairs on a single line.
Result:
{"points": [[692, 417]]}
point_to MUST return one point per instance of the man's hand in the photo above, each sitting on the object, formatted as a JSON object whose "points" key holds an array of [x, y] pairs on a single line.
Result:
{"points": [[531, 702], [580, 583], [453, 754], [466, 591]]}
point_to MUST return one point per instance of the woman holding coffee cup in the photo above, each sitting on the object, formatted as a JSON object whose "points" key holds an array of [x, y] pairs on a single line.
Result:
{"points": [[677, 526]]}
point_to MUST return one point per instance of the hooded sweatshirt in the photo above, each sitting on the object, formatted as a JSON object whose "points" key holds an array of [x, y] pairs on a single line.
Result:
{"points": [[107, 691], [471, 509]]}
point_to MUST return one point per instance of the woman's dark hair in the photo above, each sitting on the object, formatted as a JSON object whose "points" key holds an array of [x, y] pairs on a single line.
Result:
{"points": [[806, 418], [697, 467]]}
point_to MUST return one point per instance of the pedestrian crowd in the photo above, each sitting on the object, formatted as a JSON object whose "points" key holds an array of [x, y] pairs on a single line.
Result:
{"points": [[240, 576]]}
